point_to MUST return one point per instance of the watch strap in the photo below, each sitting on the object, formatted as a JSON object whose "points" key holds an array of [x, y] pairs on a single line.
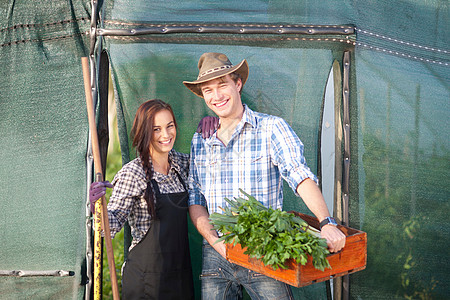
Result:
{"points": [[328, 220]]}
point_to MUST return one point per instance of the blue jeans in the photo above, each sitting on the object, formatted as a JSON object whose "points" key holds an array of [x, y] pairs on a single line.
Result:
{"points": [[224, 280]]}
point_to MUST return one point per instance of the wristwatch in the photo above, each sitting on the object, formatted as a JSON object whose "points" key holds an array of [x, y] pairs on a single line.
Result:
{"points": [[328, 220]]}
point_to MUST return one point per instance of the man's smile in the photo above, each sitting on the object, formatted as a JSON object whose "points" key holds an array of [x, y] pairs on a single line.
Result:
{"points": [[220, 104]]}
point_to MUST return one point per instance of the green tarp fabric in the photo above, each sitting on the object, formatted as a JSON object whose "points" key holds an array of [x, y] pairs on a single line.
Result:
{"points": [[401, 176], [399, 109], [43, 139], [145, 71]]}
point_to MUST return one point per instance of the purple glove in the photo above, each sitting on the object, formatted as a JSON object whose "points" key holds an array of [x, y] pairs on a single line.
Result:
{"points": [[207, 126], [97, 190]]}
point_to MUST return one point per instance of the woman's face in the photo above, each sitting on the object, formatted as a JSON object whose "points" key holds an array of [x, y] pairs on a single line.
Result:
{"points": [[164, 132]]}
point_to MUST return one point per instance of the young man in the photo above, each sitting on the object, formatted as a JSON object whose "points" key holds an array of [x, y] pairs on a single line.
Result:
{"points": [[251, 151]]}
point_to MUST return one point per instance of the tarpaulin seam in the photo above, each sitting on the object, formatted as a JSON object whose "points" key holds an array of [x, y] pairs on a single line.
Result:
{"points": [[28, 26], [340, 40], [401, 54], [228, 25], [411, 44], [44, 40]]}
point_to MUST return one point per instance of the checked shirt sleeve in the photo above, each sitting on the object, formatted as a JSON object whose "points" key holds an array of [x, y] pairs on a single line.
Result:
{"points": [[195, 193], [127, 192], [287, 153]]}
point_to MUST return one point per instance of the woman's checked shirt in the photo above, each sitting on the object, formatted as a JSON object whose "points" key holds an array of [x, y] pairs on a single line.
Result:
{"points": [[127, 201]]}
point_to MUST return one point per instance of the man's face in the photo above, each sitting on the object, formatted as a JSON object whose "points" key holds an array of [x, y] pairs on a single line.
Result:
{"points": [[222, 96]]}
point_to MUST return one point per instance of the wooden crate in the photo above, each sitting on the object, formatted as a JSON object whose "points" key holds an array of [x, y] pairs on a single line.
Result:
{"points": [[352, 258]]}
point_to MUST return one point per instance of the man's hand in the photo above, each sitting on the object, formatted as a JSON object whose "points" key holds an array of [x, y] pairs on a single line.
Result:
{"points": [[220, 248], [335, 238], [200, 218], [313, 198]]}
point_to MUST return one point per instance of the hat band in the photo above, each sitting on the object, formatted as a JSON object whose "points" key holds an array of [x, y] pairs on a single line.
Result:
{"points": [[214, 70]]}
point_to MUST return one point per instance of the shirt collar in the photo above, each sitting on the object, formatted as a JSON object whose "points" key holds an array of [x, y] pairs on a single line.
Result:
{"points": [[174, 162], [247, 118]]}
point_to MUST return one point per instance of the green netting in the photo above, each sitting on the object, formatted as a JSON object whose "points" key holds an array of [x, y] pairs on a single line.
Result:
{"points": [[424, 23], [288, 82], [43, 155], [402, 176], [399, 120], [398, 106], [399, 110]]}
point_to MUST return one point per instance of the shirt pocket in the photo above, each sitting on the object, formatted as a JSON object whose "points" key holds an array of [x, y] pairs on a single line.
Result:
{"points": [[256, 166], [205, 170], [250, 167]]}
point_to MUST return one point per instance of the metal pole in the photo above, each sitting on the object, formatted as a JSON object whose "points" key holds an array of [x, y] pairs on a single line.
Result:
{"points": [[346, 177]]}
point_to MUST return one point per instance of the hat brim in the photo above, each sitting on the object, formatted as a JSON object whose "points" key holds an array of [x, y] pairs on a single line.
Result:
{"points": [[241, 69]]}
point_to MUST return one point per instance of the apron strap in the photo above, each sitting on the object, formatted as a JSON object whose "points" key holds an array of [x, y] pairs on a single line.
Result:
{"points": [[156, 187]]}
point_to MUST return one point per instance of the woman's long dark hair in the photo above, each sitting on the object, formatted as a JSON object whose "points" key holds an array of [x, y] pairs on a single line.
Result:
{"points": [[141, 133]]}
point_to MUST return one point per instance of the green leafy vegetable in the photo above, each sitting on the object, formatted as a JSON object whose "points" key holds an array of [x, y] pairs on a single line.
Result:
{"points": [[273, 236]]}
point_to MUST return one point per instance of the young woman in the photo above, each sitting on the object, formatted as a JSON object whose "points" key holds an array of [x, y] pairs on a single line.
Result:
{"points": [[150, 193]]}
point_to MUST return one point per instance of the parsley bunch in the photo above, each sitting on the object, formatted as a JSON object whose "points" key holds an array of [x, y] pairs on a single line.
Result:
{"points": [[273, 236]]}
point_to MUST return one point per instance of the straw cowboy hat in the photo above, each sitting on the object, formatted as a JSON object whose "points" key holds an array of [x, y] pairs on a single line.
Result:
{"points": [[214, 65]]}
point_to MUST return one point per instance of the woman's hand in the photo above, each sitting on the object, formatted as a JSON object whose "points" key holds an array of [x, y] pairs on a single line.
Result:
{"points": [[96, 191]]}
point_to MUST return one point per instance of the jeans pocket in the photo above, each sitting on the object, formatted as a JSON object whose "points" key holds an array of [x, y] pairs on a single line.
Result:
{"points": [[206, 274], [252, 276]]}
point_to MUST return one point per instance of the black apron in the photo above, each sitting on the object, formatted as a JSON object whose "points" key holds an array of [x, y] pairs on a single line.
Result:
{"points": [[159, 266]]}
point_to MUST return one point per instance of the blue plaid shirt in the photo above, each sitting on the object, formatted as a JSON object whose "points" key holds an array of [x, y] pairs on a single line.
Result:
{"points": [[262, 151]]}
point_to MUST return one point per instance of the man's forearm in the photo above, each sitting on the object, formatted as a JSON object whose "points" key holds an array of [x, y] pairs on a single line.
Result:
{"points": [[311, 195], [200, 218]]}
